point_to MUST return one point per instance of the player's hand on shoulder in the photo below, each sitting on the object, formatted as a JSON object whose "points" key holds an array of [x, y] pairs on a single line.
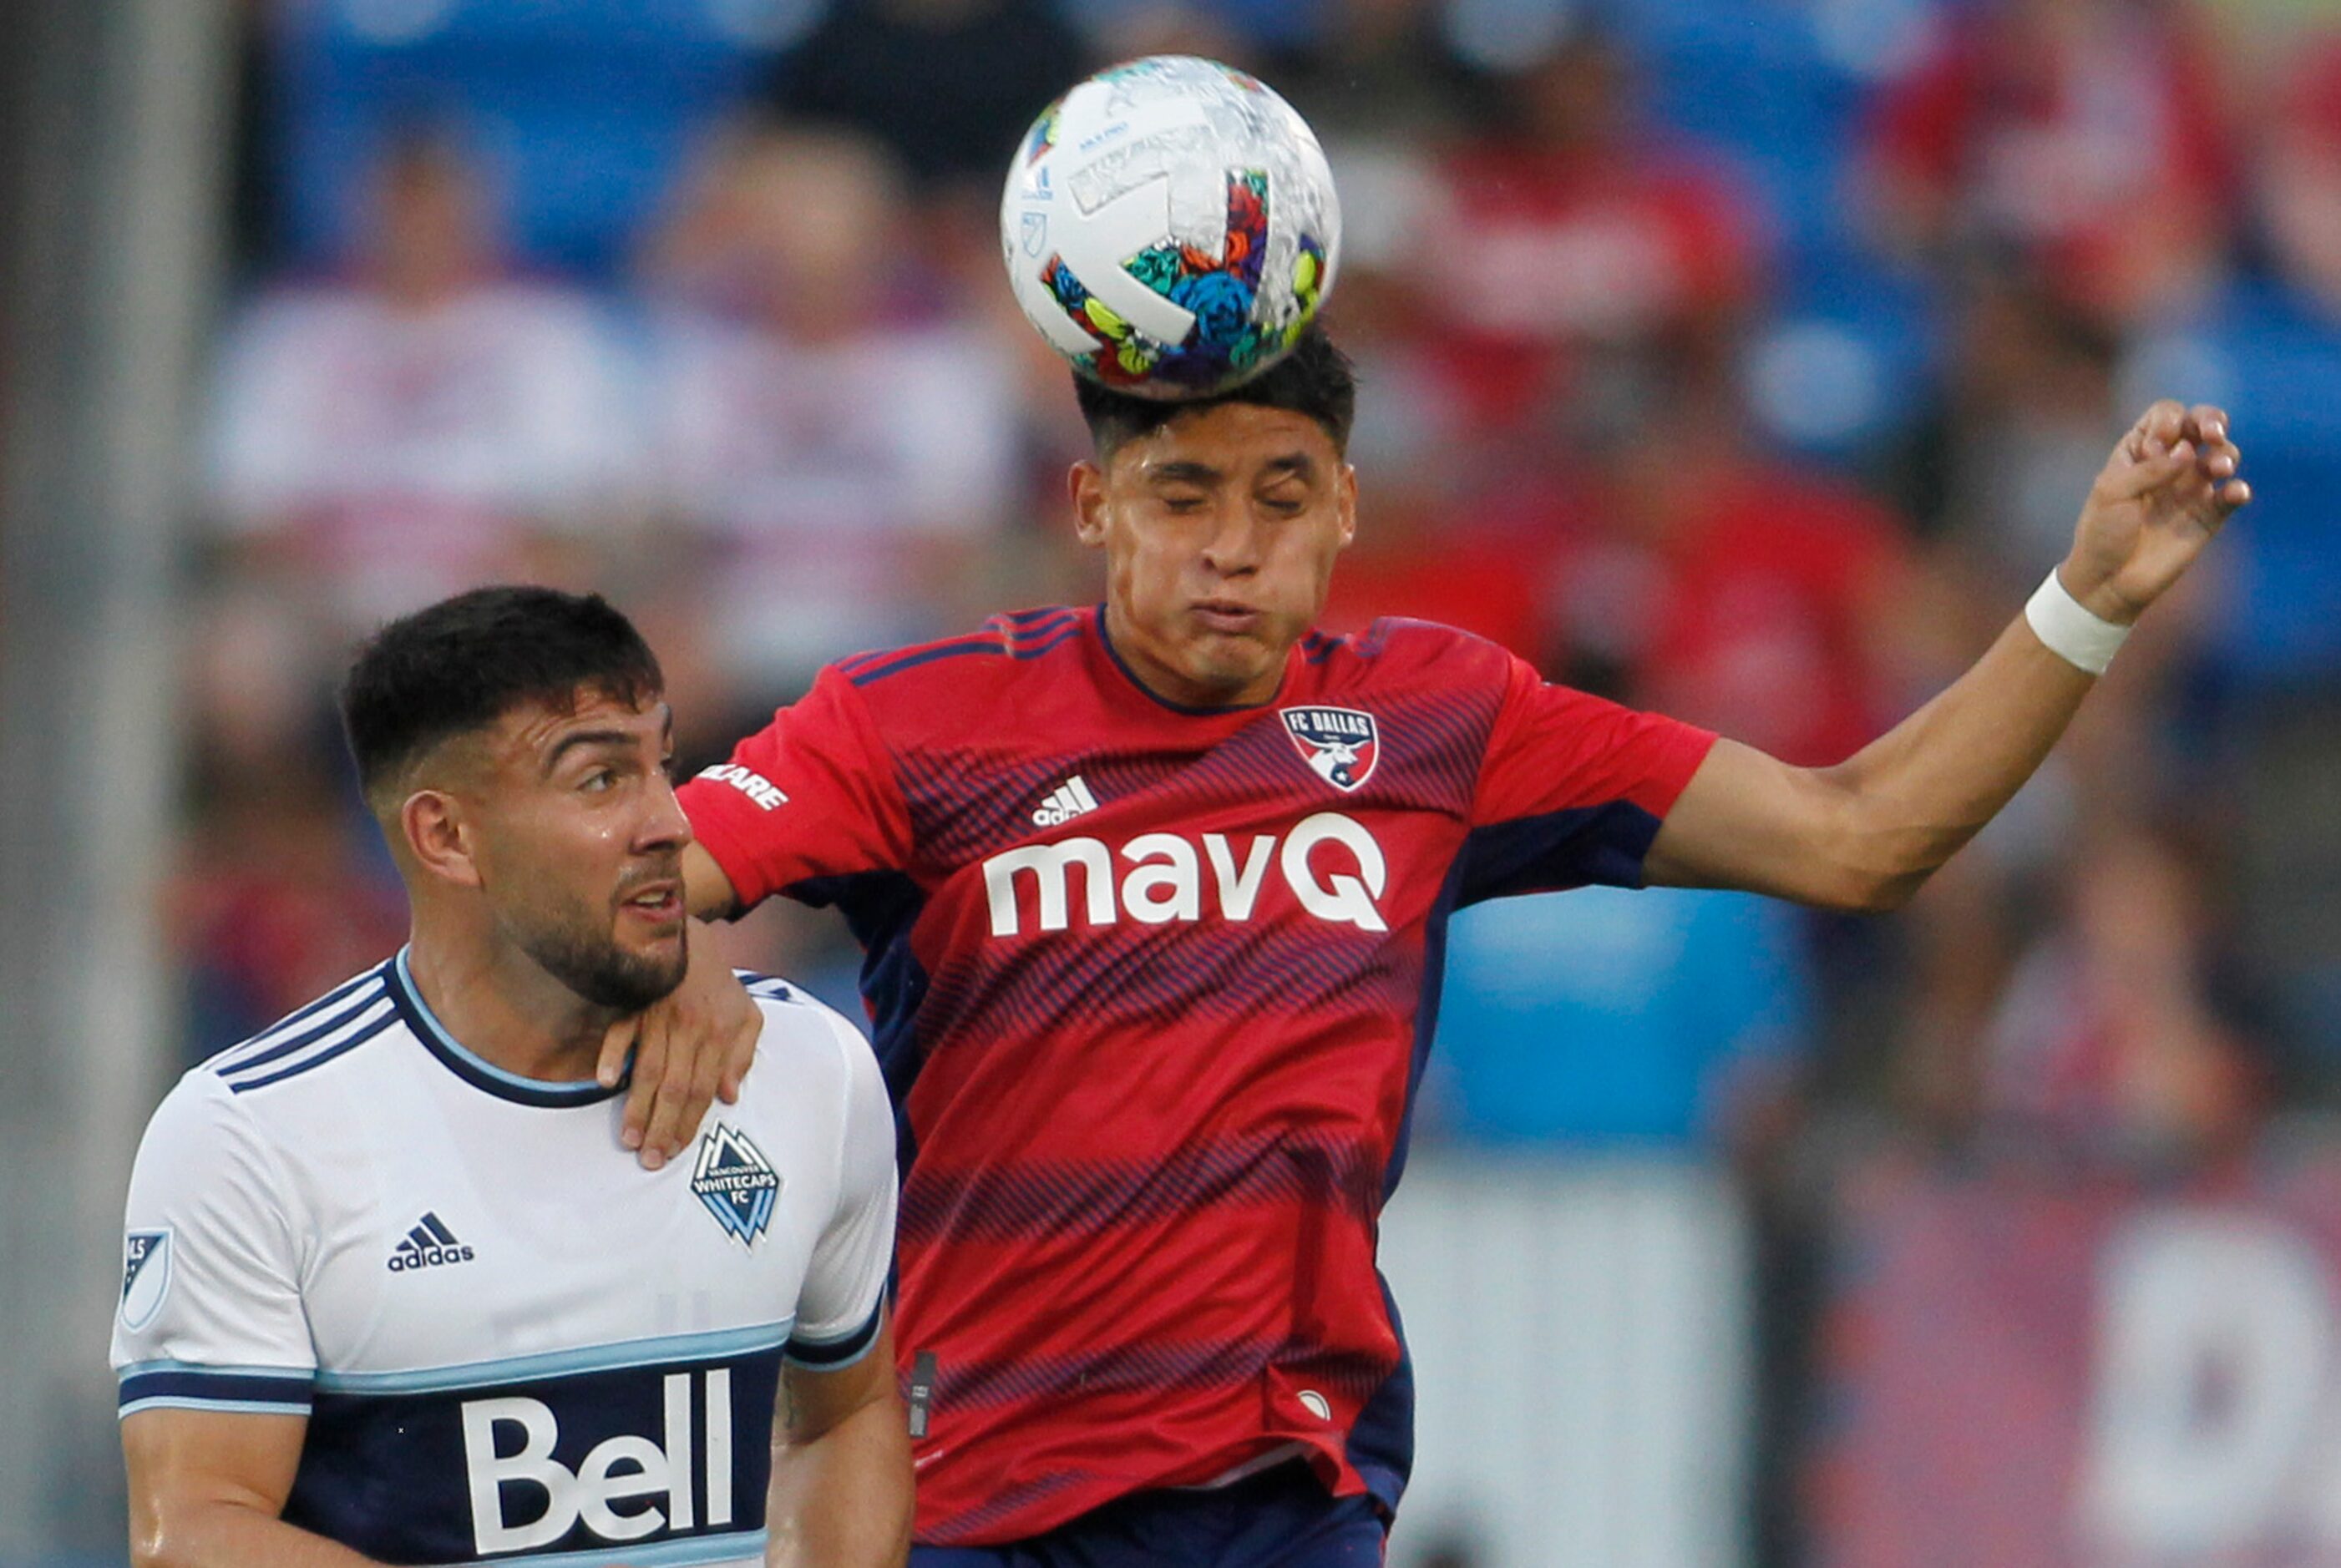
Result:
{"points": [[2170, 484], [689, 1048]]}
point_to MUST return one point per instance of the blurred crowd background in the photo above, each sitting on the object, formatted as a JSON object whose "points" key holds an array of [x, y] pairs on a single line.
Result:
{"points": [[1744, 359]]}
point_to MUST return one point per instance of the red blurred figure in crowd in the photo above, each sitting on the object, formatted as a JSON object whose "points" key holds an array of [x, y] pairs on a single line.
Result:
{"points": [[274, 899], [2080, 139], [1589, 238], [1730, 586], [2108, 1037], [2300, 174]]}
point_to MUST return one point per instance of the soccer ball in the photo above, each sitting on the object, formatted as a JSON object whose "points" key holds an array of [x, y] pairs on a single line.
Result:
{"points": [[1169, 227]]}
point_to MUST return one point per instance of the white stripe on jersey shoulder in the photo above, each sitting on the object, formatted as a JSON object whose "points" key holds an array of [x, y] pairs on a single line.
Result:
{"points": [[342, 1000], [335, 1024]]}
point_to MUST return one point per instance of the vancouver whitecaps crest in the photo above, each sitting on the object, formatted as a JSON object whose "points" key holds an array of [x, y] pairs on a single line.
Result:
{"points": [[736, 1183]]}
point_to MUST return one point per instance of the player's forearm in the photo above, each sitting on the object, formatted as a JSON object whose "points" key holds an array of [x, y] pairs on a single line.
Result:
{"points": [[230, 1536], [707, 891], [842, 1500], [1912, 797]]}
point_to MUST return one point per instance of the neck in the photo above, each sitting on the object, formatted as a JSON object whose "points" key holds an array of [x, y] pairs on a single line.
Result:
{"points": [[1174, 685], [500, 1004]]}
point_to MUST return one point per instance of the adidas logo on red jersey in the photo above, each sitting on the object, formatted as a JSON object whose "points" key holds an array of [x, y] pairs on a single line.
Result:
{"points": [[1065, 802]]}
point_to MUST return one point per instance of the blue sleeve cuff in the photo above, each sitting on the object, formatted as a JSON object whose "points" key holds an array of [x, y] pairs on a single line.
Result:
{"points": [[178, 1385], [835, 1354]]}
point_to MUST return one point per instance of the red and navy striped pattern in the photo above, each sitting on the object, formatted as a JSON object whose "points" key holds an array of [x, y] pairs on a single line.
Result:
{"points": [[1026, 636], [1056, 1198], [1144, 1159]]}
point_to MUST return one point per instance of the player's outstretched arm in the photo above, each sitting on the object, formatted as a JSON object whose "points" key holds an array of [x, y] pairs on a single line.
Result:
{"points": [[841, 1482], [694, 1046], [1865, 835], [206, 1487]]}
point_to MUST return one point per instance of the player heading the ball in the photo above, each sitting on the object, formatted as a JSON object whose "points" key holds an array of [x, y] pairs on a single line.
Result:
{"points": [[1153, 893]]}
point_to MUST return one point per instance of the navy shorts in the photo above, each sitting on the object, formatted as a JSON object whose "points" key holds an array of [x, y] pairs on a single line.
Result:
{"points": [[1282, 1518]]}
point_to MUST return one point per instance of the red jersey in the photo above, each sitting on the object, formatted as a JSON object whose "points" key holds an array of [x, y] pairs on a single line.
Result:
{"points": [[1153, 987]]}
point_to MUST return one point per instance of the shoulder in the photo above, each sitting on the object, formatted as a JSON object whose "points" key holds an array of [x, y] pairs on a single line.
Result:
{"points": [[204, 1145], [803, 1035], [1005, 645], [935, 688], [329, 1033], [1397, 648]]}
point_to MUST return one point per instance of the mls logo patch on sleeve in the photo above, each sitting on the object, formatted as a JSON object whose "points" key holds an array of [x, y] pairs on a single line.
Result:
{"points": [[1341, 745], [736, 1183], [145, 1276]]}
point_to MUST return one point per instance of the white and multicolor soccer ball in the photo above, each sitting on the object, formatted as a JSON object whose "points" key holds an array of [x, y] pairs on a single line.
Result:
{"points": [[1171, 227]]}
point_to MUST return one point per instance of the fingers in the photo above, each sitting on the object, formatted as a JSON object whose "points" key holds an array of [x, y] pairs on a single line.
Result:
{"points": [[744, 1026], [2152, 471], [690, 1047], [650, 1080], [2218, 456], [699, 1054], [737, 1059], [2156, 431], [2167, 423], [2214, 486], [706, 1080], [2187, 450], [675, 1116], [616, 1042]]}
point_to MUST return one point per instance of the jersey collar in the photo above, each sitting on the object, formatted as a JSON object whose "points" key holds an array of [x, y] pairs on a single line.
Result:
{"points": [[475, 1070], [1105, 641]]}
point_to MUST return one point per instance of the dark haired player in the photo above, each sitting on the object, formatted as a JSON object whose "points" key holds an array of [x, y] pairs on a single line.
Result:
{"points": [[1153, 895], [392, 1291]]}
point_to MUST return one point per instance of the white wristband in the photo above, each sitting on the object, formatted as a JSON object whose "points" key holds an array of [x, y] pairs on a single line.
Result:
{"points": [[2073, 632]]}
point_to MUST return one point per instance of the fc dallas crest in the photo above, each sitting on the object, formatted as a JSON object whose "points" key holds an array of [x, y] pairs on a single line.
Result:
{"points": [[1341, 745]]}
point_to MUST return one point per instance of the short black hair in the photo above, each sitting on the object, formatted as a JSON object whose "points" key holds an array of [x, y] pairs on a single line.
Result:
{"points": [[461, 664], [1313, 378]]}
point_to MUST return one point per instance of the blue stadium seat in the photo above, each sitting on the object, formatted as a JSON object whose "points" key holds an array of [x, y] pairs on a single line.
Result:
{"points": [[1848, 359], [582, 107], [2282, 363]]}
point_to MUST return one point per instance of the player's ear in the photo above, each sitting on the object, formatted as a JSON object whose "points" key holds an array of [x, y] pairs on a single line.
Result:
{"points": [[1346, 499], [1086, 485], [432, 823]]}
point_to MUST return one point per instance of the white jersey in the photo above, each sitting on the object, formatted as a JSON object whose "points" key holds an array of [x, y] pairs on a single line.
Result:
{"points": [[510, 1340]]}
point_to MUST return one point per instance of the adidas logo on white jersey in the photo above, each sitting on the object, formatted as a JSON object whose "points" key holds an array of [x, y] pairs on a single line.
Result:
{"points": [[430, 1245], [1065, 802]]}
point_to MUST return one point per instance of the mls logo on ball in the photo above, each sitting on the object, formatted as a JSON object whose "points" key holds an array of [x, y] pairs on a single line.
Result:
{"points": [[1341, 745], [145, 1276], [736, 1183]]}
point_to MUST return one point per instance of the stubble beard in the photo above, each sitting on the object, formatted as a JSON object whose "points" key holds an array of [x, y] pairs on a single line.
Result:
{"points": [[589, 962]]}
